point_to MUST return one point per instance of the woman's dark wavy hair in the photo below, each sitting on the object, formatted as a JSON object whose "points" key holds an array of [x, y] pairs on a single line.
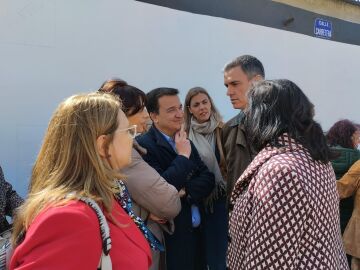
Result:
{"points": [[279, 106], [341, 134], [133, 99]]}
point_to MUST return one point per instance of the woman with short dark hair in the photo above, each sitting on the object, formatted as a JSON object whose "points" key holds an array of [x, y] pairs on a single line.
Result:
{"points": [[155, 200], [285, 205], [343, 139]]}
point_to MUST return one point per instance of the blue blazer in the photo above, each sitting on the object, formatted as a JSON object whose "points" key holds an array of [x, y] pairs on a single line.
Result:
{"points": [[184, 246], [181, 172]]}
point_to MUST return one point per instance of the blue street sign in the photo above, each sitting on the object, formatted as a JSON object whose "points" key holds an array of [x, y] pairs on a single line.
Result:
{"points": [[323, 28]]}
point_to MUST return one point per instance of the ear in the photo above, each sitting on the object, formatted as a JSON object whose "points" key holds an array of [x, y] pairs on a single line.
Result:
{"points": [[154, 117], [101, 145], [188, 107], [257, 78]]}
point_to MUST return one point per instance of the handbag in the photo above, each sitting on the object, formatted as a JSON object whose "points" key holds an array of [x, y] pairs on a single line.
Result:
{"points": [[105, 260]]}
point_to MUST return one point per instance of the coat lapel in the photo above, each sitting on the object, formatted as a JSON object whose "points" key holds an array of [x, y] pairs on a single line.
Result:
{"points": [[160, 140], [286, 144], [242, 183]]}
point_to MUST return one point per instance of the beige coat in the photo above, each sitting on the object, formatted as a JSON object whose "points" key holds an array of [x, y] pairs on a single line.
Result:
{"points": [[349, 185], [152, 194]]}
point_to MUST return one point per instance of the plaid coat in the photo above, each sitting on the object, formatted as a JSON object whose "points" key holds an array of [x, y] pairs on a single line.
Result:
{"points": [[285, 213]]}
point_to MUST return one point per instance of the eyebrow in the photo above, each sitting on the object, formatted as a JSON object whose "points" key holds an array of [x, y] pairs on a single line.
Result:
{"points": [[198, 102], [231, 82], [173, 107]]}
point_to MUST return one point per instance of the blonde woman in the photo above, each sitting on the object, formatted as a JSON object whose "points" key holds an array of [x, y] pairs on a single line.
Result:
{"points": [[203, 124], [88, 140]]}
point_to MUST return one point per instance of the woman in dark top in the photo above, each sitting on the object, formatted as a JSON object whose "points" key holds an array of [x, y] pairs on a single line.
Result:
{"points": [[9, 200], [343, 138]]}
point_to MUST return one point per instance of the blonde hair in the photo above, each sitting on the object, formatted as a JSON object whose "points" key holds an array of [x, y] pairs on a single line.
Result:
{"points": [[187, 115], [68, 161]]}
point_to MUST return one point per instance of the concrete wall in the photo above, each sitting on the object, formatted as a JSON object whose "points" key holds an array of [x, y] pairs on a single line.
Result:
{"points": [[52, 49], [333, 8]]}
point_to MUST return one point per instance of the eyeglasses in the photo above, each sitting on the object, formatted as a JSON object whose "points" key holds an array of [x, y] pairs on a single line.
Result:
{"points": [[130, 130]]}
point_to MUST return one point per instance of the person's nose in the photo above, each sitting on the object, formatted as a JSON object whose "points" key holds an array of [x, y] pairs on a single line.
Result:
{"points": [[180, 113], [228, 91]]}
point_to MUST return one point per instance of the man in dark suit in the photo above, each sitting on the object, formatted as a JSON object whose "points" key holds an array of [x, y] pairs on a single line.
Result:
{"points": [[177, 160]]}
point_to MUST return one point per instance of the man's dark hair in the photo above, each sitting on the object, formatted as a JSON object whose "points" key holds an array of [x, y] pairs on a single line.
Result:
{"points": [[250, 65], [153, 96], [277, 107]]}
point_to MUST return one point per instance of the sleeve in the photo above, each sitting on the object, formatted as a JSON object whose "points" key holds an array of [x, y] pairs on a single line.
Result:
{"points": [[350, 182], [60, 238], [201, 182], [149, 190], [279, 215], [13, 200]]}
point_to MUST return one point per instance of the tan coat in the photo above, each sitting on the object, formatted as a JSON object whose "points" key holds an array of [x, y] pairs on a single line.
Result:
{"points": [[349, 185], [236, 150], [152, 194]]}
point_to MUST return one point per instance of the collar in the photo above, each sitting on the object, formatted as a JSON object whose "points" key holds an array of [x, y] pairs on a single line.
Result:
{"points": [[286, 144], [161, 138], [167, 137], [170, 140], [237, 120]]}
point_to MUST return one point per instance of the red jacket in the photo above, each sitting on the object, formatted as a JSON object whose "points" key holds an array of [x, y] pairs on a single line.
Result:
{"points": [[68, 237]]}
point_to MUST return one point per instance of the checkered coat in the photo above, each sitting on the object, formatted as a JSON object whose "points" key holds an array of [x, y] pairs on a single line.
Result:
{"points": [[285, 213]]}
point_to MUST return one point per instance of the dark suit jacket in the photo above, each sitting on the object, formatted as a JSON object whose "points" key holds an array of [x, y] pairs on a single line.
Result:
{"points": [[183, 247]]}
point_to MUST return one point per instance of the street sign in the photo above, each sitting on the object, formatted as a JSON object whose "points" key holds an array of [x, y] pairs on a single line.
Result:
{"points": [[323, 28]]}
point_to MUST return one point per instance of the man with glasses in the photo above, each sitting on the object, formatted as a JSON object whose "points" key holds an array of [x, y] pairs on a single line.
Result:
{"points": [[177, 160], [239, 75]]}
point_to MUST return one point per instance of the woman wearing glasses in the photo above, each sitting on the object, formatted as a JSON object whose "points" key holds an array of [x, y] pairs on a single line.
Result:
{"points": [[86, 144], [155, 200]]}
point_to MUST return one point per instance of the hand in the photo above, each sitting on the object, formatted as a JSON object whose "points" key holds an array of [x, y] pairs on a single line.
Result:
{"points": [[157, 219], [182, 192], [182, 144]]}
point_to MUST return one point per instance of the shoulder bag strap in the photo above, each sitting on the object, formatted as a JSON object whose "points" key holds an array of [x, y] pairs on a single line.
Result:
{"points": [[105, 260]]}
